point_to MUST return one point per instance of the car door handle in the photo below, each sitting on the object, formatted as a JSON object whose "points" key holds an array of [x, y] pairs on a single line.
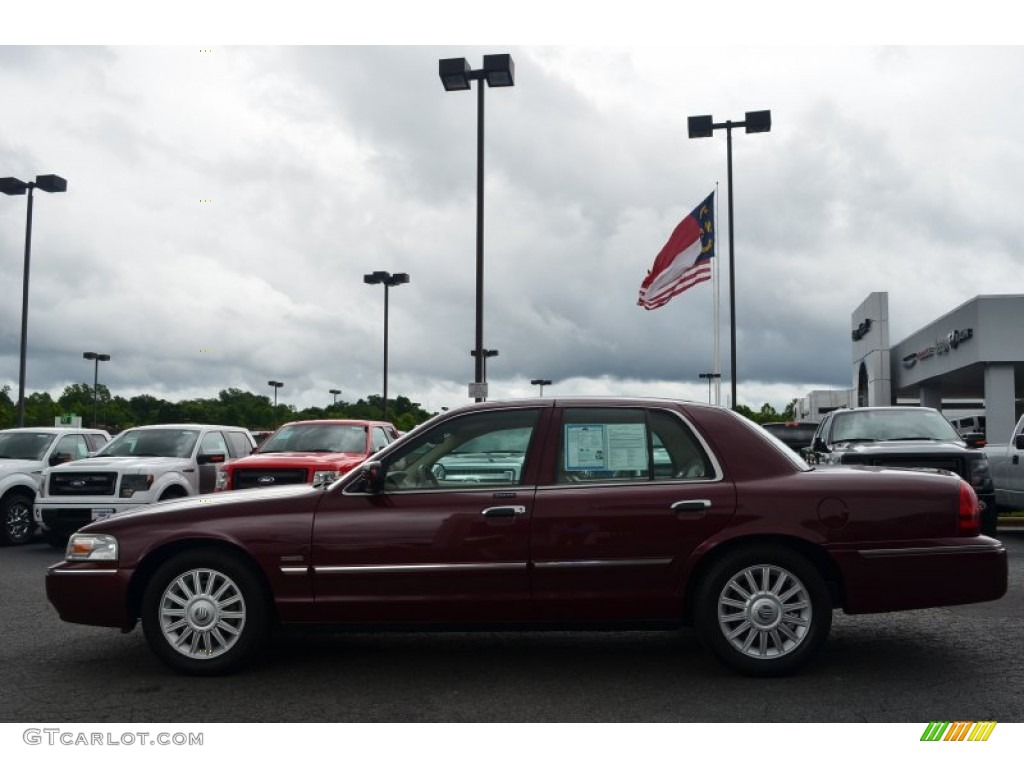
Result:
{"points": [[511, 511], [692, 505]]}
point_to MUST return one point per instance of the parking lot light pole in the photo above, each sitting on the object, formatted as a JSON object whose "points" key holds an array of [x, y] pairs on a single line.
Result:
{"points": [[540, 383], [389, 281], [335, 392], [498, 72], [12, 186], [276, 385], [98, 357], [701, 127]]}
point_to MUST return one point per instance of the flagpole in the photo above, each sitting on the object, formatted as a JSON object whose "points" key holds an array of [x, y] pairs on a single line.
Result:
{"points": [[717, 281]]}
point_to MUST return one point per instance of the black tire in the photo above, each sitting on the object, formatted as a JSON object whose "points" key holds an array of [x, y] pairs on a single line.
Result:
{"points": [[16, 521], [205, 612], [763, 610], [174, 492]]}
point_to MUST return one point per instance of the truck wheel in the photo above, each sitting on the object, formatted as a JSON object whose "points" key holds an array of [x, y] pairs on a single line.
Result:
{"points": [[174, 492], [16, 521], [205, 612], [763, 610]]}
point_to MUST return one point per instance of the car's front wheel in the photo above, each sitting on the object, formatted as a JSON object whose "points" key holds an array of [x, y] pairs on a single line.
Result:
{"points": [[16, 521], [763, 610], [205, 612]]}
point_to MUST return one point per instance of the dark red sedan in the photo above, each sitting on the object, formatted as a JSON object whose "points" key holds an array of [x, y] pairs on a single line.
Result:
{"points": [[542, 514]]}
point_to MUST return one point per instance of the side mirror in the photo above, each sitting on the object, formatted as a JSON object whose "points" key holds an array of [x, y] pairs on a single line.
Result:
{"points": [[819, 445], [210, 458], [1018, 442], [59, 458], [370, 479], [975, 440]]}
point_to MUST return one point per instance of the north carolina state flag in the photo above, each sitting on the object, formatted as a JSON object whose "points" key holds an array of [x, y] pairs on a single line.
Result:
{"points": [[685, 260]]}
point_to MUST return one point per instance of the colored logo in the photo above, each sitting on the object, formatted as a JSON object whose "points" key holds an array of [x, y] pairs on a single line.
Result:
{"points": [[960, 731]]}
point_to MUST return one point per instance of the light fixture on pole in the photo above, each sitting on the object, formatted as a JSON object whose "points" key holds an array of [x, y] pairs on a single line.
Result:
{"points": [[540, 383], [389, 281], [701, 127], [12, 186], [498, 72], [99, 358], [335, 392], [710, 377], [276, 385]]}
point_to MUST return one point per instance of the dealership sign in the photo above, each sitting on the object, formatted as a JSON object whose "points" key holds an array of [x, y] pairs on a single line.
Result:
{"points": [[942, 346], [861, 330]]}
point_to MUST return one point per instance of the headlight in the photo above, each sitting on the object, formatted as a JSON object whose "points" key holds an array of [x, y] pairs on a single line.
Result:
{"points": [[130, 484], [324, 476], [222, 480], [91, 546]]}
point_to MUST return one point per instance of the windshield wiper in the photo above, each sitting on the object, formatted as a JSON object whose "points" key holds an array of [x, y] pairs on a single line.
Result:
{"points": [[858, 440]]}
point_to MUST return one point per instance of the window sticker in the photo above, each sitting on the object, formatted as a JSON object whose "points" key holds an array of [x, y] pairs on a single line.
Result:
{"points": [[605, 447]]}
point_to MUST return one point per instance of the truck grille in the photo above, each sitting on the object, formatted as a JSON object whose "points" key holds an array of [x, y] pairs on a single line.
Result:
{"points": [[268, 478], [82, 483], [951, 463]]}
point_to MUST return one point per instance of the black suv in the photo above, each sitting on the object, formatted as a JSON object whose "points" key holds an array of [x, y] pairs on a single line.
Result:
{"points": [[904, 436]]}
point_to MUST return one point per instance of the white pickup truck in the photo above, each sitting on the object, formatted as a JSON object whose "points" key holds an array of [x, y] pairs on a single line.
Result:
{"points": [[24, 453], [139, 466], [1006, 465]]}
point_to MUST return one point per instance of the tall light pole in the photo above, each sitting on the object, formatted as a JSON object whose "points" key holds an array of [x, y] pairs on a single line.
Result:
{"points": [[498, 72], [99, 358], [12, 186], [710, 377], [701, 127], [540, 383], [389, 281], [335, 392], [276, 385]]}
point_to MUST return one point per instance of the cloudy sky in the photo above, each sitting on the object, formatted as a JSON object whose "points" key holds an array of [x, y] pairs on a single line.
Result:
{"points": [[224, 202]]}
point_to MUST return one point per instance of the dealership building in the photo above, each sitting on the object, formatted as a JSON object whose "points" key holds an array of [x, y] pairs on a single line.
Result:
{"points": [[970, 359]]}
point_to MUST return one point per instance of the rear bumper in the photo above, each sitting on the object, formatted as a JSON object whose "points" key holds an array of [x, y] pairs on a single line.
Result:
{"points": [[930, 575]]}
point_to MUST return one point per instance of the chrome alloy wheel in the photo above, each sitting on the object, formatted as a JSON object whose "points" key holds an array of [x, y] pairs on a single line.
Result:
{"points": [[18, 522], [202, 613], [764, 611]]}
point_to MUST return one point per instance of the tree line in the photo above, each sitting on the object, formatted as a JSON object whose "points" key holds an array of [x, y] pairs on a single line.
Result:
{"points": [[233, 407]]}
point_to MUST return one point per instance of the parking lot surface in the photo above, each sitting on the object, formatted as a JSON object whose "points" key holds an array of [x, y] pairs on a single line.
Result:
{"points": [[960, 663]]}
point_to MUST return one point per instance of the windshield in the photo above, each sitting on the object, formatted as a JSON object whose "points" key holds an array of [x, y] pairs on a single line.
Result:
{"points": [[172, 443], [316, 438], [891, 424], [30, 446]]}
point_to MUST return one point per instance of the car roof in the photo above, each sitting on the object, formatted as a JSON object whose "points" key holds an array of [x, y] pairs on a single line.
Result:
{"points": [[56, 430], [186, 426], [348, 422]]}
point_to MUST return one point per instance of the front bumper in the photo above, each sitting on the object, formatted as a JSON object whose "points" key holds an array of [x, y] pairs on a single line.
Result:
{"points": [[65, 519], [91, 593]]}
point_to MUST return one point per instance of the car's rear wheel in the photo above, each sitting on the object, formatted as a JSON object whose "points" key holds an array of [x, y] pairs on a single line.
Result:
{"points": [[16, 518], [763, 610], [205, 612]]}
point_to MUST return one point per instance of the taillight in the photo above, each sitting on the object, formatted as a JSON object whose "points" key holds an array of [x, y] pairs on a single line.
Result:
{"points": [[969, 519]]}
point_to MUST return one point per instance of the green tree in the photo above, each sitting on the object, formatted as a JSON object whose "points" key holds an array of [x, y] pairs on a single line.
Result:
{"points": [[40, 410], [7, 409]]}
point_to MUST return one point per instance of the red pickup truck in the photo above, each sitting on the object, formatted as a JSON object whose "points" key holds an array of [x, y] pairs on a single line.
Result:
{"points": [[307, 452]]}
